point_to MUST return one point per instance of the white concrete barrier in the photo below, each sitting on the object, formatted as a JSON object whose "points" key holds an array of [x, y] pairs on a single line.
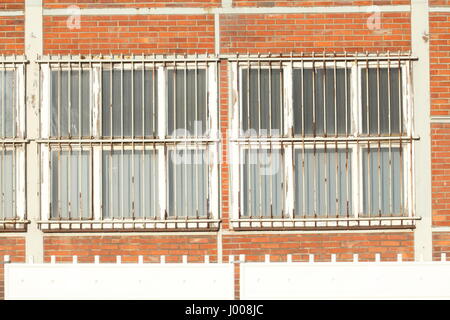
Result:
{"points": [[119, 281], [345, 280]]}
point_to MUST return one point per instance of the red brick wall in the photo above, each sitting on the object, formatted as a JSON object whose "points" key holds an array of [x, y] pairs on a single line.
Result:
{"points": [[441, 244], [160, 34], [440, 63], [283, 33], [130, 247], [130, 3], [15, 248], [12, 5], [322, 245], [440, 152], [439, 2], [12, 35], [301, 3]]}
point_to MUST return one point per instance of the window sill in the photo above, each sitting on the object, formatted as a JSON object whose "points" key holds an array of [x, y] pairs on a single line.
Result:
{"points": [[13, 225], [324, 224], [129, 225]]}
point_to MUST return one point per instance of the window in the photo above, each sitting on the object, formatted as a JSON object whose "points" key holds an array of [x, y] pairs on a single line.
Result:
{"points": [[322, 141], [130, 143], [12, 143]]}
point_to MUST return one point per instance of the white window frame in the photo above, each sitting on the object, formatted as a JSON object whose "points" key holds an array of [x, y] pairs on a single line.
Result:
{"points": [[17, 143], [240, 141], [160, 143]]}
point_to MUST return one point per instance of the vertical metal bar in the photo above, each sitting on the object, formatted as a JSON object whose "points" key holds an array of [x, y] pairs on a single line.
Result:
{"points": [[250, 202], [175, 99], [133, 186], [259, 136], [143, 144], [110, 184], [59, 183], [400, 119], [270, 135], [14, 193], [314, 134], [3, 96], [303, 140], [283, 183], [153, 165], [185, 142], [111, 100], [390, 135], [338, 184], [379, 133], [69, 102], [122, 135], [325, 159], [59, 101], [14, 120], [347, 182], [207, 205], [80, 193], [368, 142], [196, 135], [2, 192]]}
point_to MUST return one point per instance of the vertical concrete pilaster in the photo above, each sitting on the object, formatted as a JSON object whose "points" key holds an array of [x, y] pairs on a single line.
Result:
{"points": [[33, 47], [422, 148]]}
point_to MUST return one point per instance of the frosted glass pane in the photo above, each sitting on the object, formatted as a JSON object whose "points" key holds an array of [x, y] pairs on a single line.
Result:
{"points": [[382, 175], [263, 181], [321, 103], [263, 94], [130, 184], [189, 115], [70, 194], [70, 103], [187, 184], [323, 182]]}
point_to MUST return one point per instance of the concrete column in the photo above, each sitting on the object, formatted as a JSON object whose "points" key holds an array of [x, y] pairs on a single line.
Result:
{"points": [[422, 150], [33, 47]]}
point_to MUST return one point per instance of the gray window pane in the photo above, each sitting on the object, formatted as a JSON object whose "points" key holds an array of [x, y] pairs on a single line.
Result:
{"points": [[70, 194], [323, 182], [120, 196], [187, 184], [7, 178], [262, 101], [383, 98], [382, 175], [139, 103], [7, 118], [322, 106], [263, 183], [189, 116], [70, 115]]}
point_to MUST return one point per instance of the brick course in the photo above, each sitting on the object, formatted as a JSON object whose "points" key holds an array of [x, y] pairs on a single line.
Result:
{"points": [[283, 33], [160, 34]]}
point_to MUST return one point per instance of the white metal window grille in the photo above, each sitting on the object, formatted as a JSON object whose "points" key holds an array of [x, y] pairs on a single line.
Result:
{"points": [[322, 141], [129, 142], [12, 143]]}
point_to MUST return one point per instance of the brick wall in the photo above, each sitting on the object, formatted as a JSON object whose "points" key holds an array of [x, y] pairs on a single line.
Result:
{"points": [[12, 5], [440, 151], [15, 248], [131, 3], [322, 245], [307, 3], [441, 244], [107, 247], [160, 34], [12, 35], [284, 33], [440, 63]]}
